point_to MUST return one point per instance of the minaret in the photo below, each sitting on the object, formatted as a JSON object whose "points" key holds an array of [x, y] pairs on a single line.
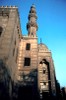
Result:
{"points": [[32, 25]]}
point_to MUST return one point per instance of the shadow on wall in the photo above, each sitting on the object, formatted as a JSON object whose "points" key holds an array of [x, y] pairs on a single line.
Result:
{"points": [[25, 92], [31, 77], [28, 88], [4, 81]]}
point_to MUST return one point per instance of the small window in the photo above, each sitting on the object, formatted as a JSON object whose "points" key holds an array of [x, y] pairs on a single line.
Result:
{"points": [[44, 83], [1, 29], [13, 51], [18, 29], [15, 42], [27, 62], [28, 46], [44, 71], [16, 54]]}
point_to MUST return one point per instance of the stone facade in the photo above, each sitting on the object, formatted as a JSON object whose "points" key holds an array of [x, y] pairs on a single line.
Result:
{"points": [[46, 72], [9, 38], [40, 59], [28, 62]]}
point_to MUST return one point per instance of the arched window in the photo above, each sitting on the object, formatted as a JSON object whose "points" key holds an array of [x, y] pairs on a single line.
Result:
{"points": [[1, 29]]}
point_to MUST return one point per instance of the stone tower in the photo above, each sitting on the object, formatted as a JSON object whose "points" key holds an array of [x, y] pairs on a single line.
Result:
{"points": [[32, 25], [28, 51]]}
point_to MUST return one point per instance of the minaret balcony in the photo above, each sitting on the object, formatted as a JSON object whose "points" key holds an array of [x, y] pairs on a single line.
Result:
{"points": [[32, 11], [32, 25], [32, 15]]}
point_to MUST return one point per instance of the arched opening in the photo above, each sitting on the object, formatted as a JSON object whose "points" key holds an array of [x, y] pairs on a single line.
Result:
{"points": [[1, 29], [44, 76], [47, 70]]}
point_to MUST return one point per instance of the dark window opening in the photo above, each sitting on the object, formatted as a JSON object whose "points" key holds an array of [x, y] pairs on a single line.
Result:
{"points": [[27, 62], [44, 71], [15, 42], [16, 54], [41, 62], [44, 83], [28, 46], [18, 29], [1, 29], [0, 33], [13, 51]]}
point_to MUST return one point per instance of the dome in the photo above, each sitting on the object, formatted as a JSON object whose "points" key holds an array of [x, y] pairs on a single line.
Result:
{"points": [[43, 47]]}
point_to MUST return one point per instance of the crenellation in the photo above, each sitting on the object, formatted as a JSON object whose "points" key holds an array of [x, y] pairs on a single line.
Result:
{"points": [[8, 6], [5, 10]]}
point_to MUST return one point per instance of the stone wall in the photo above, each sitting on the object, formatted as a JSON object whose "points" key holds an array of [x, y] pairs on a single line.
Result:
{"points": [[23, 53], [46, 76], [10, 37]]}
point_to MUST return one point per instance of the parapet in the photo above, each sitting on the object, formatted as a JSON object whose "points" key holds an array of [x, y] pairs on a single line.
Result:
{"points": [[8, 6], [4, 10]]}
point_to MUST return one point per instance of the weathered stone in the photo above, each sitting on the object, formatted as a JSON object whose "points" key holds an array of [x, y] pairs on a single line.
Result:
{"points": [[27, 62]]}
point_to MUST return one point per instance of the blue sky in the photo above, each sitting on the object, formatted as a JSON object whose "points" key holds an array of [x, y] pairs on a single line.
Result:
{"points": [[52, 28]]}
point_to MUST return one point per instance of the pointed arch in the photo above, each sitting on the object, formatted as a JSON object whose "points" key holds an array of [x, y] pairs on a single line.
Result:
{"points": [[44, 71]]}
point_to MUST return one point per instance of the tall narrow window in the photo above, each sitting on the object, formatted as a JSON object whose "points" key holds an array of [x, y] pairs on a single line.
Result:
{"points": [[13, 51], [15, 42], [27, 62], [44, 71], [28, 46], [16, 54], [1, 29]]}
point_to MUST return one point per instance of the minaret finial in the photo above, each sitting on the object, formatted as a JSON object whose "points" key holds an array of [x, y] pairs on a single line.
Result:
{"points": [[40, 40], [33, 5]]}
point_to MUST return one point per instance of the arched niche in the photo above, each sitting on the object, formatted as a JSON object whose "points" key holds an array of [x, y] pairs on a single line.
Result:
{"points": [[45, 66], [44, 71]]}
